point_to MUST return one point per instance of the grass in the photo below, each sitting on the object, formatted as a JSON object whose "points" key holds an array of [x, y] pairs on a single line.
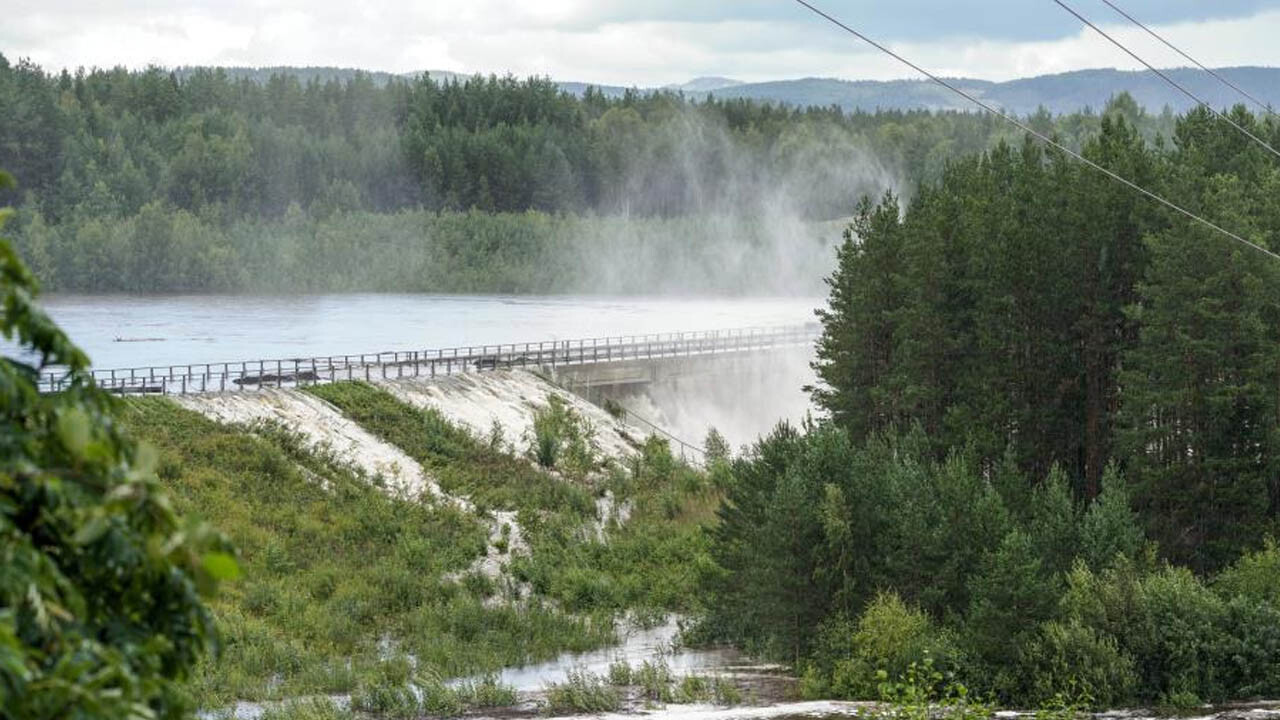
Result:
{"points": [[653, 562], [657, 685], [582, 692], [463, 464], [332, 565], [335, 568]]}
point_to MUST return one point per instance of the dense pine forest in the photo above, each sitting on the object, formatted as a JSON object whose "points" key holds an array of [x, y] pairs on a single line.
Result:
{"points": [[204, 180], [1050, 460]]}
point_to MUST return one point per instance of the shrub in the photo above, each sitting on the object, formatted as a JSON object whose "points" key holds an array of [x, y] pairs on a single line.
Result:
{"points": [[889, 637], [1078, 664], [393, 700], [620, 673], [582, 692], [1184, 639], [102, 583], [562, 438], [486, 693], [1255, 576], [655, 679]]}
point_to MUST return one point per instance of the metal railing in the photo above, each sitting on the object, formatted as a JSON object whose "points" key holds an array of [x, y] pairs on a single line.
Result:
{"points": [[295, 372]]}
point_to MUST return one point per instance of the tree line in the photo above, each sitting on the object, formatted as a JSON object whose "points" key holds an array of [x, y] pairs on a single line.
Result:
{"points": [[217, 152], [1049, 458]]}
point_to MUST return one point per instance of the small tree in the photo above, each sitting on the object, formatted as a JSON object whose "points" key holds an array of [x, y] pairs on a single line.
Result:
{"points": [[100, 581]]}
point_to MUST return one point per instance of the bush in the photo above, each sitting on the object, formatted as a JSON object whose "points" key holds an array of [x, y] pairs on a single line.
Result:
{"points": [[1078, 664], [582, 692], [1255, 576], [1185, 640], [102, 583], [486, 693], [888, 638], [562, 438]]}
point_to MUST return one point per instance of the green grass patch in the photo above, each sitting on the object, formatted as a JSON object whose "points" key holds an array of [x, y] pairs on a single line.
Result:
{"points": [[461, 463], [332, 565]]}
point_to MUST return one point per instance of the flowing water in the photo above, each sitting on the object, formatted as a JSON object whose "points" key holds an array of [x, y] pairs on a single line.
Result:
{"points": [[137, 330], [636, 647]]}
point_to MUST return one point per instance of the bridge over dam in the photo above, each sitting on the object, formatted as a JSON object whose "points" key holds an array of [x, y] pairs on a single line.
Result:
{"points": [[590, 363], [740, 381]]}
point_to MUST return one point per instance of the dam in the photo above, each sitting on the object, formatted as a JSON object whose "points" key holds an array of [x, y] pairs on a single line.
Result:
{"points": [[595, 362], [678, 385]]}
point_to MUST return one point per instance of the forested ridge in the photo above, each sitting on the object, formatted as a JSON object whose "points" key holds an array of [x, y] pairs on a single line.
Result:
{"points": [[1049, 463], [208, 180]]}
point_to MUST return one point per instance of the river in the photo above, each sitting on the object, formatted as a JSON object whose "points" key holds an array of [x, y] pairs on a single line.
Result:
{"points": [[138, 330]]}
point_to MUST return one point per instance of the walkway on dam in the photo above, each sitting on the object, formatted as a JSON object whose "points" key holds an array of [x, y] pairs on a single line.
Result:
{"points": [[293, 372]]}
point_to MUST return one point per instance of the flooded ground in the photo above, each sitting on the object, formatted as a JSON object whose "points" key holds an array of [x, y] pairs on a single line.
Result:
{"points": [[637, 646]]}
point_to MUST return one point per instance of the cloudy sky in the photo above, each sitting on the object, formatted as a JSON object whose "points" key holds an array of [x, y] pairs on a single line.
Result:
{"points": [[636, 42]]}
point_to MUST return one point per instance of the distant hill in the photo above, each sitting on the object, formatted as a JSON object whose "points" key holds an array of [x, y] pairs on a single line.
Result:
{"points": [[1061, 93], [705, 84]]}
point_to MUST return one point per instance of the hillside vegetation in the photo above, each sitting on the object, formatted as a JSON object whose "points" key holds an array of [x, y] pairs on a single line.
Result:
{"points": [[343, 577]]}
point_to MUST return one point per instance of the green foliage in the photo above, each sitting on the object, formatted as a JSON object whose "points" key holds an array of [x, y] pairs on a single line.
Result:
{"points": [[1184, 639], [462, 464], [582, 692], [853, 559], [923, 692], [562, 438], [1073, 665], [889, 637], [1255, 576], [333, 564], [1090, 330], [716, 448], [102, 582]]}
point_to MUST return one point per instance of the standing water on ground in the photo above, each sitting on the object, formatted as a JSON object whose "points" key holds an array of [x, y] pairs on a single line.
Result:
{"points": [[638, 645], [120, 331]]}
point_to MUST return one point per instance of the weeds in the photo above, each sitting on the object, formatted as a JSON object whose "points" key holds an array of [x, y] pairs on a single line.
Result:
{"points": [[583, 692], [562, 439], [309, 709], [924, 693], [486, 693], [657, 685]]}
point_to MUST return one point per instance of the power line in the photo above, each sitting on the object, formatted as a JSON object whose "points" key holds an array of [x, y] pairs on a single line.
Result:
{"points": [[1164, 76], [1261, 105], [1031, 131]]}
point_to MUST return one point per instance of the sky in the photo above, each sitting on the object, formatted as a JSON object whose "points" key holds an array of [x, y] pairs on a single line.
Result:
{"points": [[641, 43]]}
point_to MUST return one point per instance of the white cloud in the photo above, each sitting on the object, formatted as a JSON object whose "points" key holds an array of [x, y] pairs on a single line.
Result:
{"points": [[567, 39]]}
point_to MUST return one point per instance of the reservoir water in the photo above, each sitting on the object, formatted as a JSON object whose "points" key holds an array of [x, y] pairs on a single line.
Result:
{"points": [[137, 330]]}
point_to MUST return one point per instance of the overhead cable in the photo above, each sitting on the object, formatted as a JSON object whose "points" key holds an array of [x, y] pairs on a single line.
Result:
{"points": [[1221, 78], [1165, 76], [1035, 133]]}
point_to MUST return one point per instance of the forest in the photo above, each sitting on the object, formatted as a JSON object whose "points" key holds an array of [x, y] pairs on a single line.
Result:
{"points": [[1048, 465], [209, 180]]}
